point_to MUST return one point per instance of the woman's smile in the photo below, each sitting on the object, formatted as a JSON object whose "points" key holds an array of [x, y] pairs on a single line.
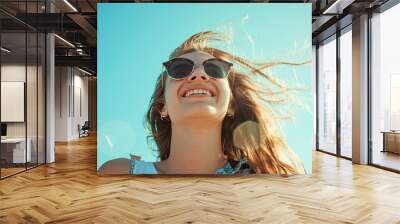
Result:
{"points": [[201, 89], [197, 93]]}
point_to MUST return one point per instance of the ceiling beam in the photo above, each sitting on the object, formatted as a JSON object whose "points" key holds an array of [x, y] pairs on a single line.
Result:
{"points": [[82, 61], [337, 6], [84, 24]]}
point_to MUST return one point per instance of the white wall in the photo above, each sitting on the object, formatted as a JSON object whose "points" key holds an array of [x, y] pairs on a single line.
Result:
{"points": [[62, 82], [70, 83]]}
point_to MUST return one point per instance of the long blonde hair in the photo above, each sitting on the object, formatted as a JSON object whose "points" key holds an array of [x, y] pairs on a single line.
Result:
{"points": [[255, 137]]}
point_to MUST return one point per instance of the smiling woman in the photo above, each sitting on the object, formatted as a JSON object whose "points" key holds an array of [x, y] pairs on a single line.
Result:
{"points": [[206, 116]]}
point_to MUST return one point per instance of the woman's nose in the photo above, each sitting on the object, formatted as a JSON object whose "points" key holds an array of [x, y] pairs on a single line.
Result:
{"points": [[198, 75]]}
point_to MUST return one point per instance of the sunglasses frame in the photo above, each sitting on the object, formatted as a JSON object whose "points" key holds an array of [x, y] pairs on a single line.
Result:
{"points": [[168, 63]]}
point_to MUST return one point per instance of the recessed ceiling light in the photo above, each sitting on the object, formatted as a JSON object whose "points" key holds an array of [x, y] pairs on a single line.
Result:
{"points": [[84, 71], [337, 7], [65, 41], [5, 50], [70, 5]]}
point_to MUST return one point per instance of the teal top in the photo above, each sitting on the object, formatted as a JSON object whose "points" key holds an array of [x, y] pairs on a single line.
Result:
{"points": [[232, 167]]}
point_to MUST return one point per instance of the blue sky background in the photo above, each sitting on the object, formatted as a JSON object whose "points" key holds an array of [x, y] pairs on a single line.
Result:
{"points": [[134, 40]]}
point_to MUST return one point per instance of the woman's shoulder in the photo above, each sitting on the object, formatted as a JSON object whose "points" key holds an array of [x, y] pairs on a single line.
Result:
{"points": [[116, 166]]}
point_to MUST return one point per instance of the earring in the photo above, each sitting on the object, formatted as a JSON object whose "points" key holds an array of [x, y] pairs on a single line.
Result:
{"points": [[164, 113], [164, 116], [230, 113]]}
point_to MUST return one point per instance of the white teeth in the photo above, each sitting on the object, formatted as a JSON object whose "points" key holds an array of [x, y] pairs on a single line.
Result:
{"points": [[197, 92]]}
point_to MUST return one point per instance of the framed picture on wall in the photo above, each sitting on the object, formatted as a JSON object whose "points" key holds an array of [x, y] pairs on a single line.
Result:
{"points": [[204, 89]]}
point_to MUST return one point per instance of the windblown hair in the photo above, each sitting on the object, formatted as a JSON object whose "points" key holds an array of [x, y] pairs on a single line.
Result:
{"points": [[260, 143]]}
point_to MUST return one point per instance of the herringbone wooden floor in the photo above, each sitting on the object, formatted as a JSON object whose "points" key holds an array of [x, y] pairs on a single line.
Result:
{"points": [[70, 191]]}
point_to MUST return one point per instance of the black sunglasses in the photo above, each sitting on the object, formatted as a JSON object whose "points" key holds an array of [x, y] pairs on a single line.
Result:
{"points": [[180, 68]]}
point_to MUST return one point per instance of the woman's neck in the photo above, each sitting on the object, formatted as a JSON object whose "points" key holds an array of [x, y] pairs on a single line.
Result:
{"points": [[195, 149]]}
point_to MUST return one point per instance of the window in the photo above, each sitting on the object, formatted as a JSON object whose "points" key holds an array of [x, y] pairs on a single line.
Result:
{"points": [[385, 89], [327, 96], [346, 92]]}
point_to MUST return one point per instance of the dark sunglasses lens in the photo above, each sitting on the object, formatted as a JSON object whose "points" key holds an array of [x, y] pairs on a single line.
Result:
{"points": [[216, 69], [179, 69]]}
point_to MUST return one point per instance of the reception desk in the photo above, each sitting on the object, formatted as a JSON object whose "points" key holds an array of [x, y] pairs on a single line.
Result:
{"points": [[13, 150], [391, 141]]}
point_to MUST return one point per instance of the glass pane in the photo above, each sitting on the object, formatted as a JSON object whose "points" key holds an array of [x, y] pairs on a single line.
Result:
{"points": [[327, 97], [14, 153], [23, 89], [32, 95], [31, 86], [346, 94], [386, 89], [41, 98]]}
